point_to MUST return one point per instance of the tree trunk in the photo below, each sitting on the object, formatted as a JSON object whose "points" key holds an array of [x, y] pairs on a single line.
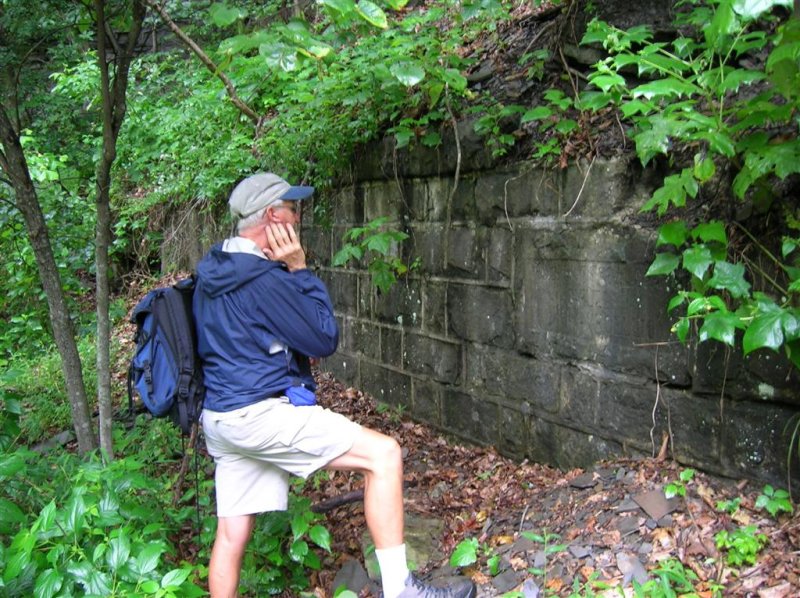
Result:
{"points": [[114, 107], [12, 161]]}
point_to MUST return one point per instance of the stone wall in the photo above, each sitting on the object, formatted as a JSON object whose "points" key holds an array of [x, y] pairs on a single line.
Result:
{"points": [[530, 324]]}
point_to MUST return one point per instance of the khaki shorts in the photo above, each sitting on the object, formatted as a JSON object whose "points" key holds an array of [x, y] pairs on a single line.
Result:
{"points": [[257, 447]]}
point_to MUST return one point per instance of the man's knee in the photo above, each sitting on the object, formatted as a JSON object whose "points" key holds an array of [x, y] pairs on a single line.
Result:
{"points": [[387, 454], [235, 532]]}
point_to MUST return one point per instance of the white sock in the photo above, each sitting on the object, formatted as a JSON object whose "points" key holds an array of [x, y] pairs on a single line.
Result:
{"points": [[394, 569]]}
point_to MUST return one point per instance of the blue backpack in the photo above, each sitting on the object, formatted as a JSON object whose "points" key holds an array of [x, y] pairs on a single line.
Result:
{"points": [[165, 370]]}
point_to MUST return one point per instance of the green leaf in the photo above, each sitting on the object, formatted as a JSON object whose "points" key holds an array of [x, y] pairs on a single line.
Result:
{"points": [[673, 233], [608, 81], [298, 550], [10, 513], [372, 14], [175, 578], [663, 264], [697, 259], [704, 168], [665, 88], [681, 329], [730, 277], [538, 113], [408, 73], [343, 7], [711, 231], [345, 254], [119, 551], [223, 15], [466, 553], [752, 9], [147, 560], [48, 583], [321, 537], [765, 330], [10, 464], [720, 326]]}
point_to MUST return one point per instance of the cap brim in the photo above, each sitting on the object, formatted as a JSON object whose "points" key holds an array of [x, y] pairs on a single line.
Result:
{"points": [[297, 193]]}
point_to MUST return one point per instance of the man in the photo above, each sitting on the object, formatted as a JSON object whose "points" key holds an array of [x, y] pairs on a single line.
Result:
{"points": [[262, 316]]}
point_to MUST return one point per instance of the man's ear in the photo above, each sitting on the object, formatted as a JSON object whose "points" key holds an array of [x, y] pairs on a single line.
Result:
{"points": [[269, 215]]}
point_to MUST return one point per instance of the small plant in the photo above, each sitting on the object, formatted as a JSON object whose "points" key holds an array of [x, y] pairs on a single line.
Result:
{"points": [[774, 501], [729, 506], [742, 545], [468, 552], [546, 539], [672, 579], [678, 487], [377, 245]]}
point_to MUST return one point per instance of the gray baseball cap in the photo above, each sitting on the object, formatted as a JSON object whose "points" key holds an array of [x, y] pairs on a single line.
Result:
{"points": [[259, 190]]}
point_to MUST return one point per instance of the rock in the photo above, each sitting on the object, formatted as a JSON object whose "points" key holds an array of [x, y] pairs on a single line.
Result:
{"points": [[655, 504], [584, 481], [631, 568], [506, 581], [353, 577]]}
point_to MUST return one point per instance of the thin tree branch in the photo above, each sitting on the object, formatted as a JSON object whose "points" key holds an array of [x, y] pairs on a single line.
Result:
{"points": [[204, 58]]}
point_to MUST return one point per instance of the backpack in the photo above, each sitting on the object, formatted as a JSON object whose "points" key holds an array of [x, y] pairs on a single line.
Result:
{"points": [[165, 370]]}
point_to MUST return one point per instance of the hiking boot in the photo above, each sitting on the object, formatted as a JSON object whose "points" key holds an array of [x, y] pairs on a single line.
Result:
{"points": [[456, 587]]}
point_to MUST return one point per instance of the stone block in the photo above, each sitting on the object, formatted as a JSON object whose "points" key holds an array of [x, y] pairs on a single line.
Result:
{"points": [[470, 417], [343, 290], [427, 245], [601, 191], [755, 440], [513, 434], [317, 244], [464, 253], [626, 411], [527, 383], [433, 358], [402, 304], [386, 385], [464, 207], [695, 424], [562, 447], [383, 199], [344, 208], [344, 367], [499, 255], [365, 338], [430, 199], [392, 346], [579, 397], [427, 401], [434, 307], [481, 314], [595, 311]]}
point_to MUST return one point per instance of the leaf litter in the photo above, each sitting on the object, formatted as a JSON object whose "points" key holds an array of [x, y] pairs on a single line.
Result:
{"points": [[609, 524]]}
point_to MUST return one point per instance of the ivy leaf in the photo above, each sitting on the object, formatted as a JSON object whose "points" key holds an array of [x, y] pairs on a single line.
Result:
{"points": [[720, 326], [711, 231], [408, 73], [608, 81], [147, 560], [119, 551], [298, 550], [538, 113], [681, 329], [372, 14], [697, 259], [730, 277], [665, 88], [704, 168], [663, 264], [466, 553], [766, 329], [672, 233]]}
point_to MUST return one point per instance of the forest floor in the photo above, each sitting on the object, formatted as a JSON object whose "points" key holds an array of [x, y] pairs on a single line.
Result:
{"points": [[606, 526]]}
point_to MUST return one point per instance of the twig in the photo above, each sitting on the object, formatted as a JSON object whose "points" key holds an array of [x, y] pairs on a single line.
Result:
{"points": [[583, 186], [176, 495]]}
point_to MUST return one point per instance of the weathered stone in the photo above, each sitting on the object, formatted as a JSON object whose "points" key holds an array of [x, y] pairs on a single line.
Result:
{"points": [[427, 402], [470, 417], [402, 304], [382, 199], [387, 386], [437, 359], [343, 289], [365, 338], [463, 254], [499, 256], [429, 248], [579, 396], [434, 310], [480, 314], [392, 346], [513, 434]]}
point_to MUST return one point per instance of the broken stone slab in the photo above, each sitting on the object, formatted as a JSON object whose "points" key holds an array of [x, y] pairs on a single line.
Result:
{"points": [[530, 589], [506, 581], [655, 504], [631, 568], [352, 576], [422, 538], [628, 505], [628, 525], [584, 481], [580, 552]]}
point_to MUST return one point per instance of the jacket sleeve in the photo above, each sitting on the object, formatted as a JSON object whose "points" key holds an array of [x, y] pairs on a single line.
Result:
{"points": [[295, 307]]}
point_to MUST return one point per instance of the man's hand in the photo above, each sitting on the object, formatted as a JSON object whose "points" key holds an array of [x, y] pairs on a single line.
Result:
{"points": [[283, 245]]}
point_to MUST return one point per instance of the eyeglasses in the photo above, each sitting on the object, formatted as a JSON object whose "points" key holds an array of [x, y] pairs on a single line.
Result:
{"points": [[292, 207]]}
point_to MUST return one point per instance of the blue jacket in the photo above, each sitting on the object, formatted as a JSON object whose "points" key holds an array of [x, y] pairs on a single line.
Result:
{"points": [[243, 304]]}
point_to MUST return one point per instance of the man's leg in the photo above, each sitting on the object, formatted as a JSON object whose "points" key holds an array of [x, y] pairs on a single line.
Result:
{"points": [[233, 533], [380, 459]]}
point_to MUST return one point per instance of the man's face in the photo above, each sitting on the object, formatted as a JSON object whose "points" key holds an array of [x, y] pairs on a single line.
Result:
{"points": [[287, 212]]}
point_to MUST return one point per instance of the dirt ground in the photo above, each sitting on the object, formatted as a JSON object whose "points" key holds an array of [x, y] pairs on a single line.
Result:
{"points": [[610, 524]]}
